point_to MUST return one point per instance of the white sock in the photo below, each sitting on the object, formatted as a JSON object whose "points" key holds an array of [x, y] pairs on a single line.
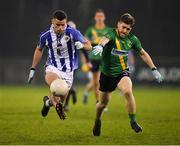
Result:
{"points": [[48, 103], [86, 93]]}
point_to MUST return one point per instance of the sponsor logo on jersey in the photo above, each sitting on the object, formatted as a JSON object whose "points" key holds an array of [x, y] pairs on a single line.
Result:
{"points": [[119, 52]]}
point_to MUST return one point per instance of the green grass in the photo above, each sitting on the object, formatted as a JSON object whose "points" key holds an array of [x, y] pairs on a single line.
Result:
{"points": [[158, 111]]}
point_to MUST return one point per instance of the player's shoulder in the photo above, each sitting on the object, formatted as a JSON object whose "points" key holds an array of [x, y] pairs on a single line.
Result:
{"points": [[90, 28], [108, 28], [111, 32], [45, 33], [133, 37], [71, 30]]}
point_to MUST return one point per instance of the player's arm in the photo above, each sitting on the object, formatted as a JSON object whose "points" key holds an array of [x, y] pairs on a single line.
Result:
{"points": [[84, 56], [88, 36], [99, 48], [104, 40], [87, 45], [147, 59], [36, 59], [80, 41]]}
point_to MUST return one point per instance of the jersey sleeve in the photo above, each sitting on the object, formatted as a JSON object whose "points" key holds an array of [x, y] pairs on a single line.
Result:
{"points": [[136, 44], [111, 33], [78, 36], [111, 36], [42, 42]]}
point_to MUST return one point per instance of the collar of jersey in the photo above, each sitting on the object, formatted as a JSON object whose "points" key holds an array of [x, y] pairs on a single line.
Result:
{"points": [[100, 28]]}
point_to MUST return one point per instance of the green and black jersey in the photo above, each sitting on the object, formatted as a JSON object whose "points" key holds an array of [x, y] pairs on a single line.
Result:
{"points": [[94, 35], [111, 64]]}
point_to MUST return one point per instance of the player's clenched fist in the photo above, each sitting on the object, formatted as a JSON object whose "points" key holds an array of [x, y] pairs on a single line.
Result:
{"points": [[31, 75]]}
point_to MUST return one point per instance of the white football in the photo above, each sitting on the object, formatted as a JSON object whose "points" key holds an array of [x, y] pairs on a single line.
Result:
{"points": [[59, 87]]}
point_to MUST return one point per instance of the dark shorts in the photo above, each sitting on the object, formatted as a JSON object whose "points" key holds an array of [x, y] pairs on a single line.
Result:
{"points": [[108, 83], [95, 65]]}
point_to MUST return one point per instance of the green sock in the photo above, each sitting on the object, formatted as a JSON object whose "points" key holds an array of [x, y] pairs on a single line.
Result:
{"points": [[132, 118]]}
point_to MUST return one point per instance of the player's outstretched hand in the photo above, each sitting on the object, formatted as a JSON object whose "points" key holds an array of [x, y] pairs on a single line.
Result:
{"points": [[79, 45], [97, 50], [159, 78], [31, 75]]}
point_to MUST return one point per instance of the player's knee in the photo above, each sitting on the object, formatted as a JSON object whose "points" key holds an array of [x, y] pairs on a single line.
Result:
{"points": [[104, 103], [96, 84], [127, 92]]}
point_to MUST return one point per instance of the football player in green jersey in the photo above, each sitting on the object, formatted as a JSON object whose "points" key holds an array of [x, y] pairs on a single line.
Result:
{"points": [[114, 47], [94, 34]]}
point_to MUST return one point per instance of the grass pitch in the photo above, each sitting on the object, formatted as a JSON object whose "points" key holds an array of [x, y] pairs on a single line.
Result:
{"points": [[158, 111]]}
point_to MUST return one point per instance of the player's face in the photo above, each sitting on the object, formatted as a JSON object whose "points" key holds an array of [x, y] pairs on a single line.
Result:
{"points": [[123, 29], [99, 17], [59, 25]]}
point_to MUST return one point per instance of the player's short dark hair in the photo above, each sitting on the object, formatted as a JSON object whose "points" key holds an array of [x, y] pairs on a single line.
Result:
{"points": [[128, 19], [60, 15], [99, 11]]}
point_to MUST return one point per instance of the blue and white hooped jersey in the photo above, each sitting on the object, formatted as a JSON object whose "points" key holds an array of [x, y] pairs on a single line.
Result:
{"points": [[61, 49]]}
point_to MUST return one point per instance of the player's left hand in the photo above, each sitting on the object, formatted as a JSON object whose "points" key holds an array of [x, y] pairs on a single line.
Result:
{"points": [[31, 75], [79, 45], [159, 78], [97, 50]]}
